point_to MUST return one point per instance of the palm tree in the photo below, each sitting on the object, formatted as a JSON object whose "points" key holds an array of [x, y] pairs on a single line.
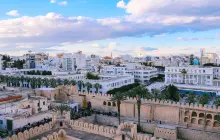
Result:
{"points": [[80, 84], [59, 82], [39, 82], [88, 86], [61, 108], [184, 72], [46, 82], [18, 79], [99, 68], [53, 82], [73, 82], [66, 82], [22, 80], [139, 92], [33, 83], [7, 80], [156, 94], [28, 81], [1, 78], [97, 86], [118, 97]]}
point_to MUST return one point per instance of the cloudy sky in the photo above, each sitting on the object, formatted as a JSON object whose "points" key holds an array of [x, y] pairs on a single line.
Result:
{"points": [[136, 27]]}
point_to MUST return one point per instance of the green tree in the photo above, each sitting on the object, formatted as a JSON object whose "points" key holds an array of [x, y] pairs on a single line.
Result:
{"points": [[172, 93], [89, 75], [33, 83], [184, 72], [59, 82], [156, 94], [61, 108], [139, 92], [66, 82], [204, 99], [46, 82], [53, 82], [191, 98], [97, 86], [39, 82], [22, 81], [118, 97], [217, 101], [88, 86], [191, 59], [73, 82], [80, 84]]}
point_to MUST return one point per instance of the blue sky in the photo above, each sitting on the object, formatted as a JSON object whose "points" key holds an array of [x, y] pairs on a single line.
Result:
{"points": [[136, 27]]}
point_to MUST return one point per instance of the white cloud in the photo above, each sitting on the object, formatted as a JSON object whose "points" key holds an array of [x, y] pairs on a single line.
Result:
{"points": [[13, 13], [171, 7], [95, 45], [64, 3], [52, 1], [53, 29], [121, 4]]}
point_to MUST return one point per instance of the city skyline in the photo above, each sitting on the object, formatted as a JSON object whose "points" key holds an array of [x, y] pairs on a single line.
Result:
{"points": [[117, 26]]}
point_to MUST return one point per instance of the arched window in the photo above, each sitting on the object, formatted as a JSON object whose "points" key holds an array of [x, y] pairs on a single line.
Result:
{"points": [[193, 121], [209, 116], [114, 104], [194, 114], [109, 104], [104, 103], [201, 115]]}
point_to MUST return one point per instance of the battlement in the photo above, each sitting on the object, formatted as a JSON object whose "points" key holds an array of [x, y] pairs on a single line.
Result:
{"points": [[158, 102]]}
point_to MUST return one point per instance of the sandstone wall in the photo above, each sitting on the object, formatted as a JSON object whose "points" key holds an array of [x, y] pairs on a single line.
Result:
{"points": [[193, 134], [27, 134]]}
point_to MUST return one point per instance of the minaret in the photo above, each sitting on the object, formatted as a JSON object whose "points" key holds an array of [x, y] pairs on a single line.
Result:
{"points": [[111, 55]]}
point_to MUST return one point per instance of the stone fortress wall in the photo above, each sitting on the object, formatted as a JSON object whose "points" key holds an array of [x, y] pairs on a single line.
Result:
{"points": [[27, 134], [198, 118]]}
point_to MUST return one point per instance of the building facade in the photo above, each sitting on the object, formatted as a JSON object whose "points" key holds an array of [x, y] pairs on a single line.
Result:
{"points": [[73, 62], [204, 76]]}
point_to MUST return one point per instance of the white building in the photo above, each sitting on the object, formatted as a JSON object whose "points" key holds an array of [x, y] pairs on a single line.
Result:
{"points": [[194, 76], [141, 74], [73, 62], [23, 112], [108, 82]]}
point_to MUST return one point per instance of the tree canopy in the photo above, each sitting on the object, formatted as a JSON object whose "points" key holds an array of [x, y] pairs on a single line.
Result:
{"points": [[172, 93]]}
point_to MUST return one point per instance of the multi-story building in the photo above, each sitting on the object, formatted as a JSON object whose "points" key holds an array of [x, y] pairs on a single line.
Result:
{"points": [[209, 58], [34, 60], [140, 73], [108, 82], [92, 62], [73, 62], [206, 76]]}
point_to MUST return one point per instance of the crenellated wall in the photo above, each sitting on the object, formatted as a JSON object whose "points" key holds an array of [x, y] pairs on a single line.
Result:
{"points": [[61, 135], [27, 134], [160, 111]]}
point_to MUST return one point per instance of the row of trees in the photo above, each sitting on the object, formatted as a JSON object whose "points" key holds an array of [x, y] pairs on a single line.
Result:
{"points": [[88, 86], [141, 92], [203, 99], [33, 83], [12, 81], [33, 72]]}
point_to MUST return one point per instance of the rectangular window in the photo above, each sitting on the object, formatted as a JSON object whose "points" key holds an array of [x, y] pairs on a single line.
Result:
{"points": [[1, 121]]}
